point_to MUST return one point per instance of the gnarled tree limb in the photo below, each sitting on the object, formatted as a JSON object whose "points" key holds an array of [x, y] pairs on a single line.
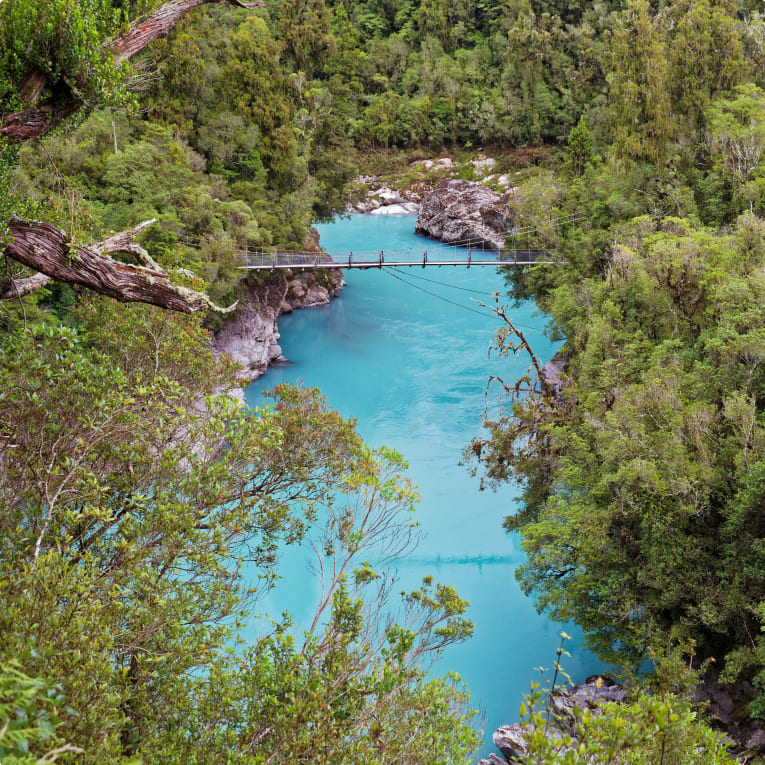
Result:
{"points": [[12, 289], [32, 87], [159, 23], [37, 120], [47, 249], [123, 242]]}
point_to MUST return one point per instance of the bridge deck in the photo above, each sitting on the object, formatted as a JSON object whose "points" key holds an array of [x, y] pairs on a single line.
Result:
{"points": [[272, 261], [396, 264]]}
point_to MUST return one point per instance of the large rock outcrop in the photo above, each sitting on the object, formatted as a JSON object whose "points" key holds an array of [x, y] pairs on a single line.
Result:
{"points": [[464, 212], [511, 740], [251, 335], [554, 374]]}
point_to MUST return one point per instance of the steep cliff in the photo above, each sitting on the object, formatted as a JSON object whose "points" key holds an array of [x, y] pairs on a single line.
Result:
{"points": [[251, 335]]}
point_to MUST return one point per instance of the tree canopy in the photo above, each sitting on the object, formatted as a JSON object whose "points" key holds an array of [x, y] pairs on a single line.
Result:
{"points": [[141, 523]]}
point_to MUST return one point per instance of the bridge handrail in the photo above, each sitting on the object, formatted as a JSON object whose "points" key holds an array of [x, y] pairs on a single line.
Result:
{"points": [[379, 259]]}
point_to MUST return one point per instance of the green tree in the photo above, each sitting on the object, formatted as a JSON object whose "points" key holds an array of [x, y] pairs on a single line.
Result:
{"points": [[432, 20], [638, 87], [64, 43], [579, 149], [305, 28], [706, 55], [255, 87], [535, 78], [737, 131], [29, 711]]}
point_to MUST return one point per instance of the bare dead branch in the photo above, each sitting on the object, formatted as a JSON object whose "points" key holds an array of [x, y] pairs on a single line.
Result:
{"points": [[122, 242], [524, 345]]}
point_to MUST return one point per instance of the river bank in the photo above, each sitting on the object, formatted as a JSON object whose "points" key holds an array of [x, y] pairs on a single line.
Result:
{"points": [[403, 192], [251, 336]]}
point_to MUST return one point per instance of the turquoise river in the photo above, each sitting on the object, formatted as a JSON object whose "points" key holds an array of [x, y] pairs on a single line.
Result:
{"points": [[412, 369]]}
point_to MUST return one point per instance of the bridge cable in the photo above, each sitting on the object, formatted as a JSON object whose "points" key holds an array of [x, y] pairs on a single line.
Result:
{"points": [[453, 286], [452, 302], [435, 295]]}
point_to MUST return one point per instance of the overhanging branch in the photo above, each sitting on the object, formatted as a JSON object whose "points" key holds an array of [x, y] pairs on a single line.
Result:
{"points": [[42, 246], [159, 23], [32, 87], [12, 289], [36, 121], [47, 249]]}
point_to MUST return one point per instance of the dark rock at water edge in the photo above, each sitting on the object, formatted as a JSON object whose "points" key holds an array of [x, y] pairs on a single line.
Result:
{"points": [[493, 759], [467, 213], [728, 707], [553, 372]]}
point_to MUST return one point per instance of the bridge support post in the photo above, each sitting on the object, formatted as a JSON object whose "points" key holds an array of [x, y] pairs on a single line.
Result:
{"points": [[470, 257], [380, 264], [424, 258], [350, 258]]}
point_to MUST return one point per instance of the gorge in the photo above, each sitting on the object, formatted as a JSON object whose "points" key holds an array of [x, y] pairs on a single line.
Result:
{"points": [[145, 145], [413, 370]]}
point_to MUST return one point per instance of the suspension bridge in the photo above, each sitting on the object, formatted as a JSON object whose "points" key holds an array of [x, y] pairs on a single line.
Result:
{"points": [[270, 261], [471, 253]]}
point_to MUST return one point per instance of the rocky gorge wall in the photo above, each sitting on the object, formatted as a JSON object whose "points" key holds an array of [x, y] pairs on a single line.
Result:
{"points": [[251, 336]]}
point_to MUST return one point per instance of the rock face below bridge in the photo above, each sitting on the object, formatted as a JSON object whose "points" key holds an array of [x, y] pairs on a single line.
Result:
{"points": [[463, 212], [251, 336]]}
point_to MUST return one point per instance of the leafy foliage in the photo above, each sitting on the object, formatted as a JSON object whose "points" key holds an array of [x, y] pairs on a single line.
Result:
{"points": [[29, 716], [139, 529], [64, 41], [657, 724]]}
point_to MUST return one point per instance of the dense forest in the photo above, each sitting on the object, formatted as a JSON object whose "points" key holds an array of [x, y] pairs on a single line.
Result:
{"points": [[134, 497]]}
